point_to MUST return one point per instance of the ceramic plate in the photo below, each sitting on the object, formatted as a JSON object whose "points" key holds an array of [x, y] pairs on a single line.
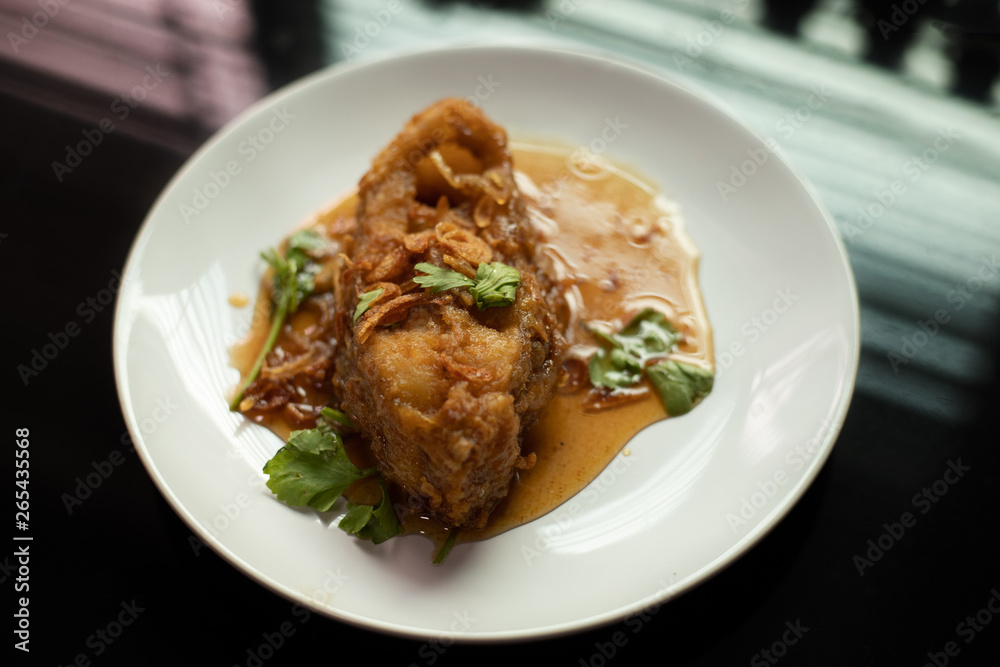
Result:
{"points": [[695, 492]]}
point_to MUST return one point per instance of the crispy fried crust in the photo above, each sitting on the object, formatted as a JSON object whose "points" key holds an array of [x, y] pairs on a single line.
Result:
{"points": [[445, 391]]}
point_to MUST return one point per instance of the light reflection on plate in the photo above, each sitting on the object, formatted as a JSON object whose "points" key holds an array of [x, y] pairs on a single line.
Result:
{"points": [[660, 520]]}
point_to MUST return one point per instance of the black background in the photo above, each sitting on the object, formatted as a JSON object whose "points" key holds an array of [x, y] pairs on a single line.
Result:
{"points": [[60, 244]]}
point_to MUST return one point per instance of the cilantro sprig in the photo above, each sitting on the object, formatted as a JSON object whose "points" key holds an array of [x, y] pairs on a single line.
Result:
{"points": [[339, 418], [294, 275], [624, 358], [494, 286], [439, 279], [680, 385], [365, 302], [620, 360], [445, 549], [375, 522], [313, 470]]}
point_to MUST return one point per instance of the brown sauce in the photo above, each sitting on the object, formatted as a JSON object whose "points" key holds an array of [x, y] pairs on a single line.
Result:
{"points": [[617, 250], [616, 246]]}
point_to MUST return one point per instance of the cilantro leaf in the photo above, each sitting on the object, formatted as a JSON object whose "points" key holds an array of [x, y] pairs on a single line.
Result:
{"points": [[619, 361], [680, 385], [365, 302], [647, 335], [496, 285], [614, 368], [294, 280], [302, 244], [440, 279], [306, 239], [623, 358], [316, 441], [312, 470], [376, 522]]}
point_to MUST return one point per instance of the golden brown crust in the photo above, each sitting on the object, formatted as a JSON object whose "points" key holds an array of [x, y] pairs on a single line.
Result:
{"points": [[446, 392]]}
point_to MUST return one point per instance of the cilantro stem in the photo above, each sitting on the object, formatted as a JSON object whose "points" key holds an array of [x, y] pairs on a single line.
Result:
{"points": [[338, 417], [446, 547], [272, 338]]}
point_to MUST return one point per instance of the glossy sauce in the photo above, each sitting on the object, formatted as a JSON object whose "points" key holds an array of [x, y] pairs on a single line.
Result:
{"points": [[616, 246]]}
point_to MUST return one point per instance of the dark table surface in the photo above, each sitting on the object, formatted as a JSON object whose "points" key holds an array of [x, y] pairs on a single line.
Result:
{"points": [[920, 437]]}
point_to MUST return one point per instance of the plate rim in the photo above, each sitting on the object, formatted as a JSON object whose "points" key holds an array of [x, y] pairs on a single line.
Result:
{"points": [[120, 336]]}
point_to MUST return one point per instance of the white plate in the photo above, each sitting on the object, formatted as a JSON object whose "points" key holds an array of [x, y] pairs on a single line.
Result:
{"points": [[695, 493]]}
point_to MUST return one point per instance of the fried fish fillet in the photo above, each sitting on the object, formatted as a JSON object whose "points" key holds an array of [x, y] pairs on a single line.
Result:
{"points": [[444, 390]]}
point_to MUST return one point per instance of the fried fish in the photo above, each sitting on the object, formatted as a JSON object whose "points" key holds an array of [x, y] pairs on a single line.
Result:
{"points": [[445, 390]]}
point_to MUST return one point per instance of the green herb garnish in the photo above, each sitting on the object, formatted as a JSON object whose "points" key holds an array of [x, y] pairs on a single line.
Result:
{"points": [[614, 368], [680, 385], [293, 282], [312, 470], [338, 417], [376, 522], [494, 286], [365, 302], [446, 547], [620, 361], [439, 278], [624, 357], [304, 241]]}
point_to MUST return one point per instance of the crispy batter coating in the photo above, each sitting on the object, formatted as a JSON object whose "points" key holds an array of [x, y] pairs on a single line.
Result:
{"points": [[446, 391]]}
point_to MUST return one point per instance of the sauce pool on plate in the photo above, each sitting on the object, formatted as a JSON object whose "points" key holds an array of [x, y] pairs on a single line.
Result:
{"points": [[616, 246]]}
